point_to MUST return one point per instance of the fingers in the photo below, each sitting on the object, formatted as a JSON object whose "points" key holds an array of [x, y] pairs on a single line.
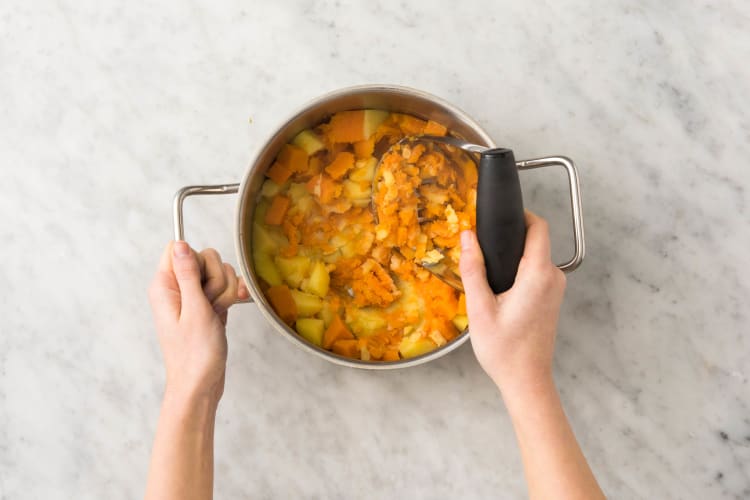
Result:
{"points": [[220, 282], [229, 295], [190, 281], [164, 292], [188, 274], [242, 292], [537, 247], [214, 275], [479, 297]]}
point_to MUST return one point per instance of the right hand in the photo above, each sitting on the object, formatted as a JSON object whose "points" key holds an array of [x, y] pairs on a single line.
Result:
{"points": [[513, 333]]}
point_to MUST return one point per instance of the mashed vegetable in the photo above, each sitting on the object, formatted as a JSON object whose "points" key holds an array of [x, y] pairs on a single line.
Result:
{"points": [[350, 278]]}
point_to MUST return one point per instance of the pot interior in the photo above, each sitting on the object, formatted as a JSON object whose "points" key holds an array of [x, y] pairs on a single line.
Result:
{"points": [[389, 98]]}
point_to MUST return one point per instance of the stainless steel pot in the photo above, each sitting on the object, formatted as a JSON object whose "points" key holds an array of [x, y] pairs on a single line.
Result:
{"points": [[387, 97]]}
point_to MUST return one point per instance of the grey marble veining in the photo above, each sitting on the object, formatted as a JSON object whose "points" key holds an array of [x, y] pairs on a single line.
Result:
{"points": [[108, 107]]}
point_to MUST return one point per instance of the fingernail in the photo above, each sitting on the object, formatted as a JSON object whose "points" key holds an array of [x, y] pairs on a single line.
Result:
{"points": [[465, 240], [181, 249]]}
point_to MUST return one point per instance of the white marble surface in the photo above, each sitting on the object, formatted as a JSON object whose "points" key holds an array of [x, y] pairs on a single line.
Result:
{"points": [[107, 107]]}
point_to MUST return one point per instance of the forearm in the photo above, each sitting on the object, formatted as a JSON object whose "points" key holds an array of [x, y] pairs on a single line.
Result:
{"points": [[553, 461], [182, 457]]}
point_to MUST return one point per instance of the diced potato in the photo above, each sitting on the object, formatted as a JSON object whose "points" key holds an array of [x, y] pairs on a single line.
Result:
{"points": [[356, 190], [410, 302], [308, 141], [270, 189], [412, 348], [327, 313], [438, 338], [461, 322], [340, 239], [293, 269], [304, 204], [318, 281], [260, 211], [266, 269], [364, 170], [307, 304], [349, 250], [367, 322], [297, 191], [311, 329], [331, 258], [361, 202], [373, 119], [264, 241]]}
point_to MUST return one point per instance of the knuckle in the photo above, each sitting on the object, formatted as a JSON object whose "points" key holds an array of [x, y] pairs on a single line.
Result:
{"points": [[552, 277], [211, 253], [215, 284]]}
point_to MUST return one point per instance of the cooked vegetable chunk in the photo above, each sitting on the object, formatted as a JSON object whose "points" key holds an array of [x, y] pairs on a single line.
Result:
{"points": [[311, 329], [351, 280]]}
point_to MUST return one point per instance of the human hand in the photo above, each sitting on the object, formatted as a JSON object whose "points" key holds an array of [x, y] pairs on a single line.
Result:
{"points": [[513, 333], [190, 295]]}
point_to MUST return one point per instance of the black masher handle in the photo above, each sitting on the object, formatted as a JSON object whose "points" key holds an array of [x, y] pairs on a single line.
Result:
{"points": [[501, 228]]}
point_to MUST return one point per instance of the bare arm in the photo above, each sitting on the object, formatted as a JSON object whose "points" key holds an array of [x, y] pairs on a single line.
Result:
{"points": [[182, 461], [189, 296], [513, 336]]}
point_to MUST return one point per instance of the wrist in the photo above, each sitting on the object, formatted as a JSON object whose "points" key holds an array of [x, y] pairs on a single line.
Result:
{"points": [[183, 401], [522, 387]]}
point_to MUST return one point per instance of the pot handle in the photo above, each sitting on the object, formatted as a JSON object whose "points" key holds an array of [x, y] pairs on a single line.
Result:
{"points": [[575, 204], [179, 199]]}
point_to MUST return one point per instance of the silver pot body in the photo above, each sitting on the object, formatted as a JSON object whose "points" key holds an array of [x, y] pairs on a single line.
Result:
{"points": [[386, 97]]}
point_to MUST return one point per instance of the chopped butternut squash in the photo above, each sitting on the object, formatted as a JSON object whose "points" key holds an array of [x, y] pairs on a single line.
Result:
{"points": [[434, 128], [277, 210], [340, 165], [391, 355], [279, 172], [294, 157], [281, 299], [324, 188], [342, 254], [363, 149], [354, 126], [337, 330], [348, 348]]}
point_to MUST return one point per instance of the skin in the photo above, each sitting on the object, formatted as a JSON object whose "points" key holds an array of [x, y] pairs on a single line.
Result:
{"points": [[513, 336], [190, 296]]}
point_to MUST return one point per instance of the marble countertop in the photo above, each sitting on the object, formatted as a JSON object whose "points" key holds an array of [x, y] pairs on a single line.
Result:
{"points": [[108, 107]]}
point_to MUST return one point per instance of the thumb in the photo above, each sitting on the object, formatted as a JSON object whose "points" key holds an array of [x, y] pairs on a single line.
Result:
{"points": [[188, 273], [480, 300]]}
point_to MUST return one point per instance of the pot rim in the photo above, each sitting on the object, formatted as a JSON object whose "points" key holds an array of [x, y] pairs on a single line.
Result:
{"points": [[255, 292]]}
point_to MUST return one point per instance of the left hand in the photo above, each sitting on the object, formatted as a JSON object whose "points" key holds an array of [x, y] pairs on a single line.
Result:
{"points": [[190, 296]]}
